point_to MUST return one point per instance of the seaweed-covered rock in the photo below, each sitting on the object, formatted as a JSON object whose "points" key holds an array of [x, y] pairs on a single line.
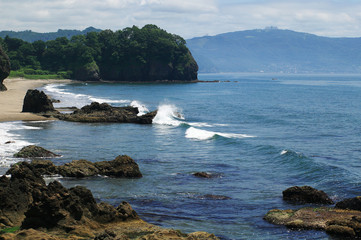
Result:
{"points": [[306, 194], [33, 151], [37, 102], [4, 68]]}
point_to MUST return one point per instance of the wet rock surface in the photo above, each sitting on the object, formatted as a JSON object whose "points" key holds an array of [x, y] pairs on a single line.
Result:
{"points": [[121, 167], [96, 112], [306, 194]]}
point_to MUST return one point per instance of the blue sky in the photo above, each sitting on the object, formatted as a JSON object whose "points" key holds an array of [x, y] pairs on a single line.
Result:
{"points": [[188, 18]]}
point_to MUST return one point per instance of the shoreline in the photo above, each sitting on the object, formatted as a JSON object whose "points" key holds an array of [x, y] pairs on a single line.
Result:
{"points": [[11, 101]]}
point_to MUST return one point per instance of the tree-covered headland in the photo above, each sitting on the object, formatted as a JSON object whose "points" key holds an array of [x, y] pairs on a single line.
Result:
{"points": [[132, 54]]}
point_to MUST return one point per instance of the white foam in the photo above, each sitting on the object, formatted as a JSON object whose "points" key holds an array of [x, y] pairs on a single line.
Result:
{"points": [[168, 114], [69, 99], [199, 134], [141, 108], [284, 152], [15, 142]]}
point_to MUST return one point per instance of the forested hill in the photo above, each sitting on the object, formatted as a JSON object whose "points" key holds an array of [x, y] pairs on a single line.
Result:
{"points": [[132, 54], [274, 50], [31, 36]]}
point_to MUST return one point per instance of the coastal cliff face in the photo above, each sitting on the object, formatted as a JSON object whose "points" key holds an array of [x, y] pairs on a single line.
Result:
{"points": [[4, 68]]}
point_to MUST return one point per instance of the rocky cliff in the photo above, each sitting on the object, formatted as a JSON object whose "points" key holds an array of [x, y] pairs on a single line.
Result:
{"points": [[4, 68]]}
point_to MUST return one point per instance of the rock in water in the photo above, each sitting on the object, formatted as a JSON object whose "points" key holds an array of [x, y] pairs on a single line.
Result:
{"points": [[121, 166], [96, 112], [306, 194], [350, 204], [4, 68], [33, 151], [37, 102]]}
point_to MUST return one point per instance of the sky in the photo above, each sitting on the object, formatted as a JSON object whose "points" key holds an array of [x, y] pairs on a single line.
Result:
{"points": [[187, 18]]}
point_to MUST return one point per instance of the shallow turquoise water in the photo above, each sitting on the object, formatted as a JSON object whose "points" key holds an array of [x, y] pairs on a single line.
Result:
{"points": [[259, 134]]}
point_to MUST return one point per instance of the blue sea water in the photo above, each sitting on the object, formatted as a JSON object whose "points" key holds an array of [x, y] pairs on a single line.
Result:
{"points": [[258, 134]]}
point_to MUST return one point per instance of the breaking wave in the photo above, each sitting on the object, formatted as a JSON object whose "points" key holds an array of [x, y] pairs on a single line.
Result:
{"points": [[199, 134]]}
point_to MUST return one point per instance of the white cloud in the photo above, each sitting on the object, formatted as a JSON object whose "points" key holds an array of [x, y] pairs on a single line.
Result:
{"points": [[187, 18]]}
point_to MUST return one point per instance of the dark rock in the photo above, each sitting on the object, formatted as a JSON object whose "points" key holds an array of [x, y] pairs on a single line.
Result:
{"points": [[121, 166], [202, 175], [33, 151], [350, 204], [26, 200], [78, 168], [37, 102], [96, 112], [4, 68], [8, 142], [306, 194]]}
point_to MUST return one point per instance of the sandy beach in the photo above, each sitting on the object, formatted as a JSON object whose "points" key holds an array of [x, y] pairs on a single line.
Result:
{"points": [[11, 101]]}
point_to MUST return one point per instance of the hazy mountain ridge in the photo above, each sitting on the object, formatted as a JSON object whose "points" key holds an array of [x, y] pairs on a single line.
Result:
{"points": [[274, 50], [31, 36]]}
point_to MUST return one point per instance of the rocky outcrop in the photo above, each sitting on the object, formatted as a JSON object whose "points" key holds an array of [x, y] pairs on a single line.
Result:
{"points": [[120, 167], [96, 112], [37, 102], [334, 221], [4, 68], [306, 194], [55, 212], [33, 151]]}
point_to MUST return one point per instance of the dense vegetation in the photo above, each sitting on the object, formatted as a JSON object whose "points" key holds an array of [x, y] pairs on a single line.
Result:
{"points": [[131, 54]]}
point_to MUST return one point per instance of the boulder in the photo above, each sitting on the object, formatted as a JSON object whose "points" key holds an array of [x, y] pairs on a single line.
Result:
{"points": [[78, 168], [121, 166], [37, 102], [4, 68], [33, 151], [350, 204], [96, 112], [306, 194]]}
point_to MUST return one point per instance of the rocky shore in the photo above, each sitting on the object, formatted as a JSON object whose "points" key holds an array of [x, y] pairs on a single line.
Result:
{"points": [[38, 102], [344, 219], [30, 209]]}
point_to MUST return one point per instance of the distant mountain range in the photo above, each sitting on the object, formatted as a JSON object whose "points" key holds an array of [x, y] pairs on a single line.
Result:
{"points": [[269, 50], [275, 51], [31, 36]]}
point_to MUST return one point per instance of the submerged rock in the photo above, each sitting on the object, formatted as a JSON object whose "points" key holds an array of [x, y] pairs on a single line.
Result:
{"points": [[37, 102], [96, 112], [306, 194], [33, 151], [202, 175]]}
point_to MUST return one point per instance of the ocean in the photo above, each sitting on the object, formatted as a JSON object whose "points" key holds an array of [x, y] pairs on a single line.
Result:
{"points": [[258, 134]]}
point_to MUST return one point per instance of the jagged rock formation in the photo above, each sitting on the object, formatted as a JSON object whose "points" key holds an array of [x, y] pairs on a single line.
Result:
{"points": [[37, 102], [121, 167], [55, 212], [306, 194], [96, 112], [4, 68]]}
